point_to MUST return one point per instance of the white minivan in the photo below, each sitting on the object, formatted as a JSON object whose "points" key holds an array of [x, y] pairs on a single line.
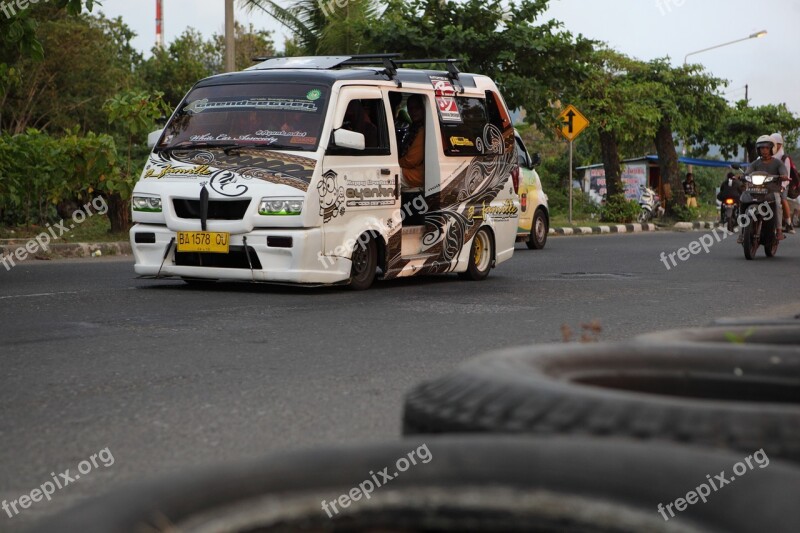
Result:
{"points": [[299, 170]]}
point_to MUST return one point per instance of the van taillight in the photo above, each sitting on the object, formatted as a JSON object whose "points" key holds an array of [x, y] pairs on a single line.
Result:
{"points": [[515, 178]]}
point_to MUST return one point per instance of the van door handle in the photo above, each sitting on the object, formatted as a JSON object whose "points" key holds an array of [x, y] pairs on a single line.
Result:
{"points": [[396, 186], [385, 172]]}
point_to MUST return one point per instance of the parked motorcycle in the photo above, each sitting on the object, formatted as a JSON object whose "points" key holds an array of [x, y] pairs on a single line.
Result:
{"points": [[650, 204], [758, 204]]}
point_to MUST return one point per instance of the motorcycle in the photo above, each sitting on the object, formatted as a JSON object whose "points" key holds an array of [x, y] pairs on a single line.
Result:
{"points": [[757, 203], [649, 203], [731, 211]]}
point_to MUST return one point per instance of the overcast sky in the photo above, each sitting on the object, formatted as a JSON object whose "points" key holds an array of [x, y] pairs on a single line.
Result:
{"points": [[644, 29]]}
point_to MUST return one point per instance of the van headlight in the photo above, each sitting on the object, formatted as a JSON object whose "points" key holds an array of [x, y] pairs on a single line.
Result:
{"points": [[146, 204], [280, 206]]}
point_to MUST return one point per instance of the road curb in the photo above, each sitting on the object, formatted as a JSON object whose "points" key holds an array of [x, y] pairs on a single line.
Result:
{"points": [[598, 230], [690, 226], [631, 228], [64, 250]]}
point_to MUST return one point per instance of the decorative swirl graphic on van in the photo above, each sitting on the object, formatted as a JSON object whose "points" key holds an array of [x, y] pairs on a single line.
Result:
{"points": [[492, 139], [222, 181], [225, 183], [275, 167], [448, 232]]}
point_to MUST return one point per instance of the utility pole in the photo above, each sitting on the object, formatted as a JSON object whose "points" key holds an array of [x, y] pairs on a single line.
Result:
{"points": [[230, 43], [159, 24]]}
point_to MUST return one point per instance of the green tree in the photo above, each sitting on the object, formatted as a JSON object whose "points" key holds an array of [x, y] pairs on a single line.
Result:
{"points": [[623, 115], [87, 59], [19, 36], [533, 64], [174, 69], [249, 43], [321, 27], [133, 115], [688, 100], [741, 125], [304, 18]]}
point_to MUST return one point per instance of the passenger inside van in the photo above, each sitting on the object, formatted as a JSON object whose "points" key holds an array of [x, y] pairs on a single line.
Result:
{"points": [[356, 118], [412, 152]]}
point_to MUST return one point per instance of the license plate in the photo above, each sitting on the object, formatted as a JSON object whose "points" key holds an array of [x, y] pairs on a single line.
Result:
{"points": [[756, 189], [203, 241]]}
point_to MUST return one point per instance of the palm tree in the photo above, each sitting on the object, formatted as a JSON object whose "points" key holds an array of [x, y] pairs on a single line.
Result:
{"points": [[320, 27]]}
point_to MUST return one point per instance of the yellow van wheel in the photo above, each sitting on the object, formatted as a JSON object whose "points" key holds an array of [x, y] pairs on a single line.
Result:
{"points": [[480, 257]]}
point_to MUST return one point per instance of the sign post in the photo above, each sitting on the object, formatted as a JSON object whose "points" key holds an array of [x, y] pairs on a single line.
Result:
{"points": [[573, 124]]}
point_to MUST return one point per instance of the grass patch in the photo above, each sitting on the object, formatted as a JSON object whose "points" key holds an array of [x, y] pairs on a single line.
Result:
{"points": [[96, 228]]}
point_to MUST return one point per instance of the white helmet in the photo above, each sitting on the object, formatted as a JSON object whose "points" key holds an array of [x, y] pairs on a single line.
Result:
{"points": [[765, 140], [777, 138]]}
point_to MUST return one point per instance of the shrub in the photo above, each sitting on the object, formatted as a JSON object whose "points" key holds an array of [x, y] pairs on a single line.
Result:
{"points": [[619, 209], [39, 171], [685, 214]]}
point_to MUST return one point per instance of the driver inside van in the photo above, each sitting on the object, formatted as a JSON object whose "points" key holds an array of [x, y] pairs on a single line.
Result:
{"points": [[412, 152]]}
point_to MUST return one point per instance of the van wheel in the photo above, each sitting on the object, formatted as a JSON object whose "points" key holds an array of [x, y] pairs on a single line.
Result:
{"points": [[480, 257], [538, 237], [365, 264]]}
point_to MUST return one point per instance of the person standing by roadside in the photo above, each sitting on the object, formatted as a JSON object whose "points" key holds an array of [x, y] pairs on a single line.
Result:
{"points": [[777, 138], [690, 190]]}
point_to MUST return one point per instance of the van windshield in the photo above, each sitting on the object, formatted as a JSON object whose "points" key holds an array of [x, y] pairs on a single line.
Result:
{"points": [[269, 115]]}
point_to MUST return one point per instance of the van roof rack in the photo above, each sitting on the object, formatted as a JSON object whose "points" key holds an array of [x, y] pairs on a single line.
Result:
{"points": [[390, 63]]}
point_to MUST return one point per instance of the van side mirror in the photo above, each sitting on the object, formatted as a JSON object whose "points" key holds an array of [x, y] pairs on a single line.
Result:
{"points": [[535, 160], [153, 137], [343, 138]]}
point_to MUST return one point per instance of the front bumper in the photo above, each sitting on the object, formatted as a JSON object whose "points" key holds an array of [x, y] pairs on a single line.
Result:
{"points": [[300, 263]]}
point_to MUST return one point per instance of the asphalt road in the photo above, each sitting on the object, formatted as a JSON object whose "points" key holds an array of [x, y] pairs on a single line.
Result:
{"points": [[167, 376]]}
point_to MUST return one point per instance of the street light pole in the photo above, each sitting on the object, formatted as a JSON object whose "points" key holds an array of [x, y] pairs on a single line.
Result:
{"points": [[756, 35]]}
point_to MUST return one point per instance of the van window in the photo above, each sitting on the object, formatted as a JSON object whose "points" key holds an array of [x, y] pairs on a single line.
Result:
{"points": [[368, 117], [497, 112], [278, 116], [465, 138]]}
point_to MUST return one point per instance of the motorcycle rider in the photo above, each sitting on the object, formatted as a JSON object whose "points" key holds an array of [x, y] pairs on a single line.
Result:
{"points": [[773, 167], [779, 154], [731, 187]]}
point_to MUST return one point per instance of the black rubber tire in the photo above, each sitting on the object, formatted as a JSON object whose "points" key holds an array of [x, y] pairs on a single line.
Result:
{"points": [[539, 229], [476, 272], [757, 321], [750, 245], [365, 264], [478, 484], [769, 239], [771, 249], [721, 395], [731, 223], [775, 332]]}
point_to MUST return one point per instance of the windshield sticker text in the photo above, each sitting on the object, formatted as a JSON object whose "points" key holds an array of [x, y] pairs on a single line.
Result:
{"points": [[284, 104]]}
